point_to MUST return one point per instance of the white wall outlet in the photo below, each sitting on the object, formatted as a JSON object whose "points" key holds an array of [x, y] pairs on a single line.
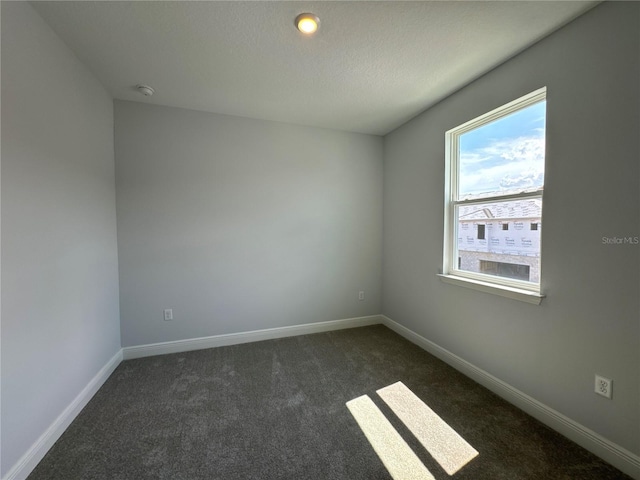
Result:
{"points": [[360, 296], [603, 386], [168, 314]]}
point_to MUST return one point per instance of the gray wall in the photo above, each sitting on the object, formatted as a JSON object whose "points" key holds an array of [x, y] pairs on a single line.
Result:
{"points": [[240, 224], [589, 321], [60, 318]]}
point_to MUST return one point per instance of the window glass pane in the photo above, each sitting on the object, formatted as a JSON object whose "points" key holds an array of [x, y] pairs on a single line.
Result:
{"points": [[509, 270], [504, 156], [518, 248]]}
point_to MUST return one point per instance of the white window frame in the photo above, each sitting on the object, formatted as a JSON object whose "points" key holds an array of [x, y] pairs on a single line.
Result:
{"points": [[507, 287]]}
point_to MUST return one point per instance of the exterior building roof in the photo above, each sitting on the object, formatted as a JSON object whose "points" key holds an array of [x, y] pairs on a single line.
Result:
{"points": [[525, 208]]}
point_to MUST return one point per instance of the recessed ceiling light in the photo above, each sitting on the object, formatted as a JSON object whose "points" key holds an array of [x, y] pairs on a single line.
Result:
{"points": [[307, 23]]}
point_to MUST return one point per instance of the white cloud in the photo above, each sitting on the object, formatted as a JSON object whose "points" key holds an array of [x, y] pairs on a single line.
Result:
{"points": [[503, 164]]}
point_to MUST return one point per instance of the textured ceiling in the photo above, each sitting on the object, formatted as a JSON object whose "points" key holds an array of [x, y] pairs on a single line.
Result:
{"points": [[371, 67]]}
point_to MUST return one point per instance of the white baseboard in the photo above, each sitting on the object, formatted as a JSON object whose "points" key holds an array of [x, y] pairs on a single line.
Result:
{"points": [[616, 455], [26, 464], [178, 346]]}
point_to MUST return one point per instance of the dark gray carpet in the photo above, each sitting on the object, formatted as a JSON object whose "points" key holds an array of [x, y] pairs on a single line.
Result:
{"points": [[276, 410]]}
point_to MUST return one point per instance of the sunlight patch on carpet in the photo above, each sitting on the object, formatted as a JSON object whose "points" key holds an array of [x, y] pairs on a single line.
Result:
{"points": [[448, 448], [398, 458]]}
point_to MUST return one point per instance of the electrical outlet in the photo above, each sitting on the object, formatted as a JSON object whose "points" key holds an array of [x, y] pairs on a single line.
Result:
{"points": [[603, 386], [360, 296], [168, 314]]}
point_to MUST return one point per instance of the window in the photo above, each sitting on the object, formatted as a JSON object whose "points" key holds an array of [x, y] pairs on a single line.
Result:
{"points": [[495, 179], [501, 269]]}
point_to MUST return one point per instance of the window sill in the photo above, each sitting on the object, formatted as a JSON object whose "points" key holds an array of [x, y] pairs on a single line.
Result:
{"points": [[504, 291]]}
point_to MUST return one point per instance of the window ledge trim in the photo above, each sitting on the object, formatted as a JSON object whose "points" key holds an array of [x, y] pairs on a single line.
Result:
{"points": [[495, 289]]}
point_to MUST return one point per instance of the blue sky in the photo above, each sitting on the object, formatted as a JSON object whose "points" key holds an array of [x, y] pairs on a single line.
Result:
{"points": [[504, 155]]}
